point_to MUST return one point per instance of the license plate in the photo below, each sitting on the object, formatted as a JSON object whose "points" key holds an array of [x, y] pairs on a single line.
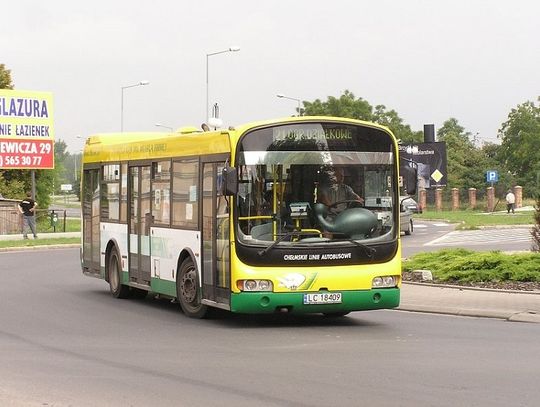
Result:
{"points": [[322, 298]]}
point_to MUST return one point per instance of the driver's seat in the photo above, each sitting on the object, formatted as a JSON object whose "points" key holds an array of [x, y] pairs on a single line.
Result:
{"points": [[263, 232], [356, 223]]}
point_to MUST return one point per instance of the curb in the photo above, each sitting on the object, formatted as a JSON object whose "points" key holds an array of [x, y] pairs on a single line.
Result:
{"points": [[468, 288], [57, 235], [39, 247]]}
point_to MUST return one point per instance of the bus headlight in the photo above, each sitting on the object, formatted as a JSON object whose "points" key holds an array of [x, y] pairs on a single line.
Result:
{"points": [[384, 281], [254, 285]]}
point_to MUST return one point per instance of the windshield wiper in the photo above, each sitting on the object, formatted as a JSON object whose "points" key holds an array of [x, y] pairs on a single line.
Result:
{"points": [[292, 233]]}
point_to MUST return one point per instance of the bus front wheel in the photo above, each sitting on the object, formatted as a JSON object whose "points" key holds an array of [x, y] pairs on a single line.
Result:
{"points": [[118, 290], [188, 292]]}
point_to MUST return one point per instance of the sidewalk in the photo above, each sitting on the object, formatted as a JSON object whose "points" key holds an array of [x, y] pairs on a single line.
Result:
{"points": [[521, 306]]}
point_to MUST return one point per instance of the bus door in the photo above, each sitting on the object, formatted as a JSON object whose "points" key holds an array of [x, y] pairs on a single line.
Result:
{"points": [[140, 219], [90, 213], [215, 237]]}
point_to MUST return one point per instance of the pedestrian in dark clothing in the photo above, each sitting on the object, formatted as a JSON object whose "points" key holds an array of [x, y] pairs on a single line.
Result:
{"points": [[27, 208]]}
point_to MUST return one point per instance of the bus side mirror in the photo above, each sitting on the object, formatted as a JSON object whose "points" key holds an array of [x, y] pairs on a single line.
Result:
{"points": [[230, 181], [410, 179]]}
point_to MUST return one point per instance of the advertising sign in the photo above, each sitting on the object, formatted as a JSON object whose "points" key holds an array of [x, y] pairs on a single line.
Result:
{"points": [[431, 161], [26, 130]]}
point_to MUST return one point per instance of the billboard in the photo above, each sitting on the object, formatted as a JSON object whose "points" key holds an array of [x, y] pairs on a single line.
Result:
{"points": [[431, 161], [26, 129]]}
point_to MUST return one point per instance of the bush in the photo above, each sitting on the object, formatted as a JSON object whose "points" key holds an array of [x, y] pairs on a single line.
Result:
{"points": [[461, 265], [535, 232]]}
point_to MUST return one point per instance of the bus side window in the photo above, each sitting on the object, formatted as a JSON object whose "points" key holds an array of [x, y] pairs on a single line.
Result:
{"points": [[185, 193]]}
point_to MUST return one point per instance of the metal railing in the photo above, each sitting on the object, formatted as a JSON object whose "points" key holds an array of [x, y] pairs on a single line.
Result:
{"points": [[47, 220]]}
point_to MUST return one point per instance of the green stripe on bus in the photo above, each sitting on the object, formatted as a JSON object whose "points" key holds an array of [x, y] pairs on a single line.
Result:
{"points": [[263, 303], [164, 287]]}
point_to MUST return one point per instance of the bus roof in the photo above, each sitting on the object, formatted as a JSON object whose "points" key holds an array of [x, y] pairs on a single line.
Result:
{"points": [[144, 145], [110, 147]]}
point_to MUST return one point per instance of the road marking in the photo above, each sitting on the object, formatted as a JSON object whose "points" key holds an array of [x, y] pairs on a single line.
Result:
{"points": [[464, 237]]}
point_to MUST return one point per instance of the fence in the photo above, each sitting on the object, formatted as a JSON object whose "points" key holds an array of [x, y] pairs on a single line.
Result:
{"points": [[47, 221], [490, 199]]}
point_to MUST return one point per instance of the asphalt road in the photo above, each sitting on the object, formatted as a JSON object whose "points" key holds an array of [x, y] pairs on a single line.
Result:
{"points": [[65, 341]]}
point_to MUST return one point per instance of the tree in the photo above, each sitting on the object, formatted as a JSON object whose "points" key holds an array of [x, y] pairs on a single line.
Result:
{"points": [[347, 105], [344, 106], [61, 156], [5, 78], [520, 146], [391, 119], [466, 164], [535, 232], [10, 184]]}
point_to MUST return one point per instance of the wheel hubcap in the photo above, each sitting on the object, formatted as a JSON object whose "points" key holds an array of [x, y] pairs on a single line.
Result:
{"points": [[188, 286]]}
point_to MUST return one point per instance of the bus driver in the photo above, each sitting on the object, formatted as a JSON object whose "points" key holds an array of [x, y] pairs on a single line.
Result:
{"points": [[337, 191]]}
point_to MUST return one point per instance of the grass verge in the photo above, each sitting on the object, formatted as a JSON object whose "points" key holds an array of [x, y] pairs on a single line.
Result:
{"points": [[72, 225], [466, 266]]}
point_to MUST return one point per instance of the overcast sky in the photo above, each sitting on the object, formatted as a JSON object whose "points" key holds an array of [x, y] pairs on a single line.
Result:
{"points": [[428, 60]]}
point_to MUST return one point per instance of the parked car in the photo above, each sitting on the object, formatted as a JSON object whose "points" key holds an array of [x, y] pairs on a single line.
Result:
{"points": [[407, 207], [406, 222], [408, 203]]}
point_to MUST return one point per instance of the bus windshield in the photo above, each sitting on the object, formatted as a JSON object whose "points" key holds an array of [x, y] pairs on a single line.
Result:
{"points": [[316, 183]]}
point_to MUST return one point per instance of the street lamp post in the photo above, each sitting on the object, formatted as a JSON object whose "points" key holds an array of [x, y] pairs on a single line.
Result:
{"points": [[230, 49], [141, 83], [290, 98], [165, 127]]}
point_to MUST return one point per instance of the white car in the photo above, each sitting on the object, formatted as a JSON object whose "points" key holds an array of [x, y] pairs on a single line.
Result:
{"points": [[410, 204], [406, 215]]}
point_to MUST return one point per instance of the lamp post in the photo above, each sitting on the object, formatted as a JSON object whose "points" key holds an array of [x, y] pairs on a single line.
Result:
{"points": [[290, 98], [230, 49], [141, 83], [166, 127]]}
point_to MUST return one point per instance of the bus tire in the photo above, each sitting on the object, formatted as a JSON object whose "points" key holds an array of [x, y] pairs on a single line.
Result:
{"points": [[188, 292], [118, 290]]}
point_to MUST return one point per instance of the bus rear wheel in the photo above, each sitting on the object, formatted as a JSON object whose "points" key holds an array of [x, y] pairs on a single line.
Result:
{"points": [[188, 292], [118, 290]]}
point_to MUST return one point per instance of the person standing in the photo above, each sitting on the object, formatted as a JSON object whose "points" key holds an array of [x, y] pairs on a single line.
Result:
{"points": [[27, 208], [510, 201]]}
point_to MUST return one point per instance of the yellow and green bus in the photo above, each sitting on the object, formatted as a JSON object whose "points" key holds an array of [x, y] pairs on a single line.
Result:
{"points": [[240, 219]]}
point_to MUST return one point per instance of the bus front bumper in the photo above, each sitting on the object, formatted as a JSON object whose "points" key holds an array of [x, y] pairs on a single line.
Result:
{"points": [[293, 302]]}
